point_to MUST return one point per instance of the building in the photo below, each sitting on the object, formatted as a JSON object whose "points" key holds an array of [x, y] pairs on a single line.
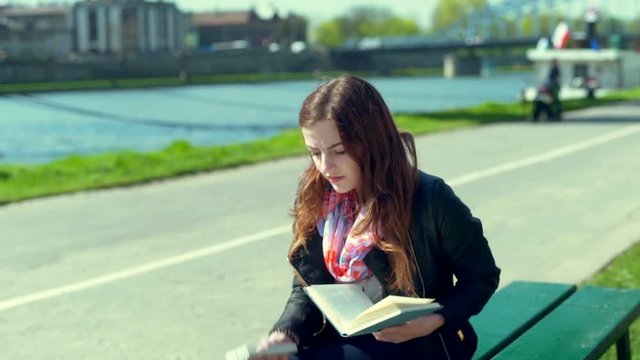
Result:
{"points": [[41, 32], [127, 26], [246, 29]]}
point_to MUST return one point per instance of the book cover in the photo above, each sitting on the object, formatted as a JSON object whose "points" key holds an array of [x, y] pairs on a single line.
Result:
{"points": [[351, 312]]}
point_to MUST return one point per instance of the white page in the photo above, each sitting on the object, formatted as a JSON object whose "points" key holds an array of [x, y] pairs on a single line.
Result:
{"points": [[341, 303], [245, 352]]}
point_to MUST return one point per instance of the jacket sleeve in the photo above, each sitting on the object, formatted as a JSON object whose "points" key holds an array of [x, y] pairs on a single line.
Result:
{"points": [[462, 240], [300, 317]]}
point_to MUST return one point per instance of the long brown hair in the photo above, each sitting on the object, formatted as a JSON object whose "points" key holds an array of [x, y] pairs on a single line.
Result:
{"points": [[387, 159]]}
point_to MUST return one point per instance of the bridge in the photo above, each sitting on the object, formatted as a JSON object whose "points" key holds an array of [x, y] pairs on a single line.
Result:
{"points": [[499, 32], [522, 18]]}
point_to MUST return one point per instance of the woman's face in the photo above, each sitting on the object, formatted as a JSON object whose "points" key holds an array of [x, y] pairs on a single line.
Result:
{"points": [[328, 154]]}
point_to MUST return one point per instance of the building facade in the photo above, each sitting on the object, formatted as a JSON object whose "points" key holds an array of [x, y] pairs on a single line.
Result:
{"points": [[127, 26], [42, 32], [247, 29]]}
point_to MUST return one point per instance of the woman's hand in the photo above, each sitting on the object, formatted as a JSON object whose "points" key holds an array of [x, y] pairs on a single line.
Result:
{"points": [[275, 337], [421, 326]]}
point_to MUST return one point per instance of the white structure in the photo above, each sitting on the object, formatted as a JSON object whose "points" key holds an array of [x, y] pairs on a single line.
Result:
{"points": [[612, 68], [127, 26]]}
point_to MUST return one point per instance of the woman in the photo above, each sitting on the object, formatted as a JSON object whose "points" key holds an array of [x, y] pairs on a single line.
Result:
{"points": [[365, 213]]}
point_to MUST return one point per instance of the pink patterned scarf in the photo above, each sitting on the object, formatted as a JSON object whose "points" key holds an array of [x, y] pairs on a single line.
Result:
{"points": [[343, 252]]}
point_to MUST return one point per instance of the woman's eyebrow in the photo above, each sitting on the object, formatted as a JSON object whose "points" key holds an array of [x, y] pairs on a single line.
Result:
{"points": [[330, 147]]}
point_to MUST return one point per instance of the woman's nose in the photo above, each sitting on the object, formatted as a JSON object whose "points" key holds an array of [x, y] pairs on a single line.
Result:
{"points": [[326, 164]]}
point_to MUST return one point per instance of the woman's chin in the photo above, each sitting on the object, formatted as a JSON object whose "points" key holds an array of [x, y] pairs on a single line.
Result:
{"points": [[340, 189]]}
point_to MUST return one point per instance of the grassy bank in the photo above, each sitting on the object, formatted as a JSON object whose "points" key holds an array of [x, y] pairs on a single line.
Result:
{"points": [[623, 272], [138, 83], [141, 83], [77, 173]]}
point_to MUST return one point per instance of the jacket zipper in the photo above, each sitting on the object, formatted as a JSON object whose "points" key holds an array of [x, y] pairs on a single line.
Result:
{"points": [[446, 351], [444, 345], [324, 325], [415, 261]]}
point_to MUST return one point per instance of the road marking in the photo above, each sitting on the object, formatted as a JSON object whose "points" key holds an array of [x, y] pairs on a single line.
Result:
{"points": [[142, 269], [559, 152], [244, 240]]}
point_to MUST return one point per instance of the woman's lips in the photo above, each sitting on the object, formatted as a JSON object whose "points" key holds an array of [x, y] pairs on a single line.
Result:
{"points": [[335, 179]]}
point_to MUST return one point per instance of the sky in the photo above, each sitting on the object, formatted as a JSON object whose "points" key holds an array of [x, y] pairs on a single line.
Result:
{"points": [[318, 11]]}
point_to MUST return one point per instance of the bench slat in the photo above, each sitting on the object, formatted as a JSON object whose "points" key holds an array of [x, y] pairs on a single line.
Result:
{"points": [[582, 327], [512, 311]]}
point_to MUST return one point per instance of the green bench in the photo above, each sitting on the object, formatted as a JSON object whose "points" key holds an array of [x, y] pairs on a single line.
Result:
{"points": [[532, 320], [512, 311]]}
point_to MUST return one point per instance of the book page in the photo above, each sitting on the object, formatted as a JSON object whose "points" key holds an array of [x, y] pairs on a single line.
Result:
{"points": [[246, 352], [397, 302], [340, 303], [367, 325], [393, 310]]}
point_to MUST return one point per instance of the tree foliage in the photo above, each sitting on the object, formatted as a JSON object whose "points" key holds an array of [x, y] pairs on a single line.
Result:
{"points": [[448, 12], [329, 33], [525, 23], [292, 28], [364, 21]]}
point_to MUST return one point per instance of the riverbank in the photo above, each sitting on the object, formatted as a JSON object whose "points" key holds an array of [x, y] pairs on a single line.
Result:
{"points": [[141, 83], [185, 80], [125, 168]]}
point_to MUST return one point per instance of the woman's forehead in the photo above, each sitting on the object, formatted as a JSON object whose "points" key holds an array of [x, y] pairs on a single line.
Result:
{"points": [[321, 134]]}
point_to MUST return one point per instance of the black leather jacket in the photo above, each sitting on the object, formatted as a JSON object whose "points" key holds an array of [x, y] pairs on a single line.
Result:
{"points": [[447, 241]]}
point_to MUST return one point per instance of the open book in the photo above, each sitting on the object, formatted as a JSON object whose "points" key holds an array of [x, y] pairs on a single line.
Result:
{"points": [[351, 312], [247, 352]]}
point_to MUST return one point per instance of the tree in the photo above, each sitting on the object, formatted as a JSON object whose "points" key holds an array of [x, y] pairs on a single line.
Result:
{"points": [[329, 33], [364, 21], [537, 25], [633, 26], [527, 24], [292, 28], [448, 12]]}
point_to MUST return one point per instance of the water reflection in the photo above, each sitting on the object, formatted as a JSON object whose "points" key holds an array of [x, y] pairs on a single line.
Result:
{"points": [[42, 127]]}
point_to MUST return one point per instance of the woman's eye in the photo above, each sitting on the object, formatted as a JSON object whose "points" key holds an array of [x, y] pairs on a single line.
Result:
{"points": [[312, 154], [341, 152]]}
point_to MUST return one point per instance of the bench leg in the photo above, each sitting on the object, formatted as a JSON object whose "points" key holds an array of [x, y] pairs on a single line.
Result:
{"points": [[623, 347]]}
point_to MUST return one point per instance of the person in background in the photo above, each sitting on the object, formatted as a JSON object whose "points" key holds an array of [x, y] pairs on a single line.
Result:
{"points": [[547, 100], [365, 214], [554, 85], [554, 72]]}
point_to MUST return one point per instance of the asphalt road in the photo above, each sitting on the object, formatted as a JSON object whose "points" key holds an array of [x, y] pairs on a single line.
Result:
{"points": [[188, 268]]}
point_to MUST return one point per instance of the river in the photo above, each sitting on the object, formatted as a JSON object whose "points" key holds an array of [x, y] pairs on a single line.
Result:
{"points": [[42, 127]]}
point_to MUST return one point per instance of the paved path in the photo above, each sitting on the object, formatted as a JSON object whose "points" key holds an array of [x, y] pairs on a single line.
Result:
{"points": [[185, 269]]}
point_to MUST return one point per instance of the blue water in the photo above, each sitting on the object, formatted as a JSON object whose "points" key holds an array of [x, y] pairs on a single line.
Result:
{"points": [[43, 127]]}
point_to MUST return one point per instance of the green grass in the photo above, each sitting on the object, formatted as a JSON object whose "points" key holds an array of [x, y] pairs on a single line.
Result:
{"points": [[102, 84], [623, 272], [55, 86], [148, 82], [77, 173]]}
